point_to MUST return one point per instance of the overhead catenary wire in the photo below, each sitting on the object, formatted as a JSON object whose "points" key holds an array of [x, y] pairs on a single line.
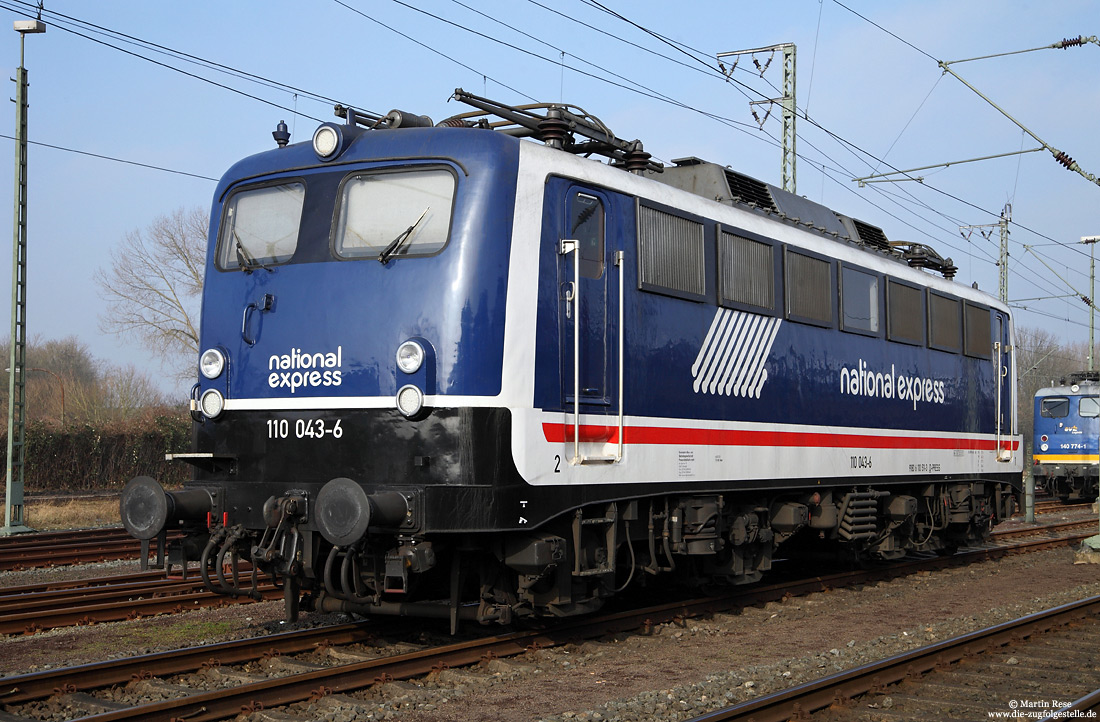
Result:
{"points": [[115, 160], [1064, 244], [805, 116], [622, 82], [844, 143], [645, 91], [66, 20], [562, 52], [715, 116], [695, 59], [168, 66], [429, 48], [813, 56]]}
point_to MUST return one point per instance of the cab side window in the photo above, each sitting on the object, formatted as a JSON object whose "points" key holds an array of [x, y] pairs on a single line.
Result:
{"points": [[586, 226], [1055, 407]]}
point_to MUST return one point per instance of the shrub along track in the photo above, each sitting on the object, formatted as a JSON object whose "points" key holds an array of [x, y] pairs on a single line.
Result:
{"points": [[334, 667]]}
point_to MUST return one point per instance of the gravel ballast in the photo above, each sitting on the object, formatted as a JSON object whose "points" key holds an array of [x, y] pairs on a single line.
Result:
{"points": [[675, 673]]}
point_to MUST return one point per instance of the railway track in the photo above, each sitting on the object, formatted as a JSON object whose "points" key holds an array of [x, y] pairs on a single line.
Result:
{"points": [[1055, 506], [1038, 666], [262, 673], [81, 546], [1053, 529], [34, 608]]}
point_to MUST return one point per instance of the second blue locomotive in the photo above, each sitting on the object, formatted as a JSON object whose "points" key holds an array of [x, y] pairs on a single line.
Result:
{"points": [[1066, 450]]}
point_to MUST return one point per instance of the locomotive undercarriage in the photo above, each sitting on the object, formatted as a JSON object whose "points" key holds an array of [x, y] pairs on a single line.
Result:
{"points": [[572, 564], [1068, 482]]}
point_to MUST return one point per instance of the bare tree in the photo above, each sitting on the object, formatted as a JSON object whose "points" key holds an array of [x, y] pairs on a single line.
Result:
{"points": [[120, 393], [153, 286], [1042, 360], [66, 385]]}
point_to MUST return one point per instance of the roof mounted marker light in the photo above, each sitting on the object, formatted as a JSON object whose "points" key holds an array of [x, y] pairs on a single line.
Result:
{"points": [[327, 141]]}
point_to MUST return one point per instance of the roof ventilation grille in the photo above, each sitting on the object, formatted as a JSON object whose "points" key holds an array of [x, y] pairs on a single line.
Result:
{"points": [[750, 190], [871, 235]]}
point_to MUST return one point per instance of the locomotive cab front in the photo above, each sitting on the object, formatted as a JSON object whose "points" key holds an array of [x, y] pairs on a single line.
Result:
{"points": [[352, 284]]}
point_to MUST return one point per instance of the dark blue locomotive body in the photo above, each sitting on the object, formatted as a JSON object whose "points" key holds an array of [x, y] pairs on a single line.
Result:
{"points": [[449, 371], [1066, 450]]}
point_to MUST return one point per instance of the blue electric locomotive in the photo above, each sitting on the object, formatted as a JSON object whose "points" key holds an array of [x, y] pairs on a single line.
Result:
{"points": [[1066, 451], [450, 371]]}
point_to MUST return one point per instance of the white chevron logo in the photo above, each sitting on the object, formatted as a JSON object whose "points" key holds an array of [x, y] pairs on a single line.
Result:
{"points": [[731, 360]]}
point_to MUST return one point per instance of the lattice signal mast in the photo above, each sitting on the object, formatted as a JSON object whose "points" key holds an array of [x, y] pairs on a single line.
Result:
{"points": [[787, 101], [13, 492]]}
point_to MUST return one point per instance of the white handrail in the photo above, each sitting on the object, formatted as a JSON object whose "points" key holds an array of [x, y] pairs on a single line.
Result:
{"points": [[572, 246]]}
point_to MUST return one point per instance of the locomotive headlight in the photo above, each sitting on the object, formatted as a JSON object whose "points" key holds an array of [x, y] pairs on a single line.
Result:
{"points": [[410, 400], [211, 403], [410, 355], [1043, 447], [325, 141], [211, 363]]}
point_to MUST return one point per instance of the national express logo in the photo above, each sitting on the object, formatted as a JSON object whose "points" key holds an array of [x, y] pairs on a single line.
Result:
{"points": [[861, 381], [731, 360], [296, 370]]}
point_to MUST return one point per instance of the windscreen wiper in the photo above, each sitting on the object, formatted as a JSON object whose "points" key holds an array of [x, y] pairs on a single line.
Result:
{"points": [[403, 236], [246, 261]]}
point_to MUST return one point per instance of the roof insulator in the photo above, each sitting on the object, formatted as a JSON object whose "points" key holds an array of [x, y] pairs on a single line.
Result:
{"points": [[553, 129], [637, 160]]}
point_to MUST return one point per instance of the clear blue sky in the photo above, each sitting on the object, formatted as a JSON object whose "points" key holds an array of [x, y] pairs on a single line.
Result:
{"points": [[855, 81]]}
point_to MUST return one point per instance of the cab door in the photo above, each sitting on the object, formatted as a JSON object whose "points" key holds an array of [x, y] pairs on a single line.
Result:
{"points": [[1003, 354], [589, 279]]}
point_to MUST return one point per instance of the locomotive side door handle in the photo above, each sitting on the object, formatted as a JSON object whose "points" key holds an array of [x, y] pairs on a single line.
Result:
{"points": [[569, 294], [266, 303]]}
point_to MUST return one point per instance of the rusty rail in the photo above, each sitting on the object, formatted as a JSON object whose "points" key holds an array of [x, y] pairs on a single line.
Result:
{"points": [[805, 699], [108, 599], [80, 546]]}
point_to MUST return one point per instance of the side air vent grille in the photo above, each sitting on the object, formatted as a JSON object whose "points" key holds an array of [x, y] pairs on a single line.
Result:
{"points": [[750, 190], [871, 235]]}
